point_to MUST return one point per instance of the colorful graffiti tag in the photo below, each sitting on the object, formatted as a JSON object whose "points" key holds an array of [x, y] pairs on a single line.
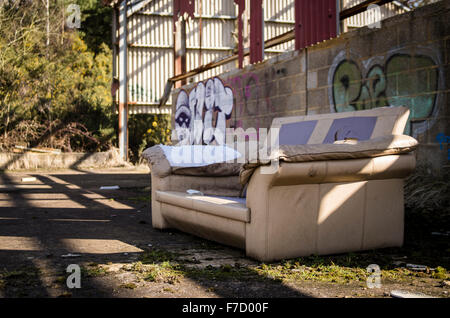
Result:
{"points": [[396, 80], [443, 139], [201, 114]]}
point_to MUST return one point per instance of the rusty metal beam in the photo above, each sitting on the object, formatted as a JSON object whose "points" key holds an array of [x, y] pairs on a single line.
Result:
{"points": [[123, 89], [181, 10], [180, 7], [256, 31], [179, 48], [241, 6]]}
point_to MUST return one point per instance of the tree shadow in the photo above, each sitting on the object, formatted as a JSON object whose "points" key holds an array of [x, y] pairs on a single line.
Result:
{"points": [[68, 213]]}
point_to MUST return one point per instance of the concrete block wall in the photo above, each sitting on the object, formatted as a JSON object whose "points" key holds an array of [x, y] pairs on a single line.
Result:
{"points": [[405, 62]]}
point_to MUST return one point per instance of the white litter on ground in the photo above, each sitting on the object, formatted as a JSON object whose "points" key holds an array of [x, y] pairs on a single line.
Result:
{"points": [[116, 187], [405, 294], [70, 255], [415, 267], [28, 179], [440, 234], [194, 192]]}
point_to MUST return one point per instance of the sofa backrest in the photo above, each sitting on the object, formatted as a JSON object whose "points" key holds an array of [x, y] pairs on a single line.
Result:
{"points": [[327, 128]]}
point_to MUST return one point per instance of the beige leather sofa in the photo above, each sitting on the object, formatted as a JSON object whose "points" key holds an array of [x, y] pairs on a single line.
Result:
{"points": [[338, 188]]}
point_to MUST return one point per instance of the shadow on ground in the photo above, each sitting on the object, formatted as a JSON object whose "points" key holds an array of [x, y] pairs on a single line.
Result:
{"points": [[64, 218]]}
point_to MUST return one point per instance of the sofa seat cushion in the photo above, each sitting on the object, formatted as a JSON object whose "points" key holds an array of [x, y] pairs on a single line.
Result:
{"points": [[227, 207]]}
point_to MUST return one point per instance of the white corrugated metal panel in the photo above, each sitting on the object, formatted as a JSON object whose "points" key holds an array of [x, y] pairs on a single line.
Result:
{"points": [[150, 56], [386, 11], [150, 40], [365, 18], [279, 18], [273, 29], [279, 11]]}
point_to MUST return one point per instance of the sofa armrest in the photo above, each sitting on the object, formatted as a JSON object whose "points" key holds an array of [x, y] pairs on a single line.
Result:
{"points": [[159, 165], [285, 205]]}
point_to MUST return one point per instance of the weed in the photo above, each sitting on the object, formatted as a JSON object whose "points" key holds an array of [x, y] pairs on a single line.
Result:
{"points": [[93, 271], [142, 198], [157, 256], [128, 286], [440, 273], [168, 290], [164, 272], [60, 280]]}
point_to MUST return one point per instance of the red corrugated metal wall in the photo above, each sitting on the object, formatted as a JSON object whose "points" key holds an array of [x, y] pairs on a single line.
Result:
{"points": [[316, 21]]}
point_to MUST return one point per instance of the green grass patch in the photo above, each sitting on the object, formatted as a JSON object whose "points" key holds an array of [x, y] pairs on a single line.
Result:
{"points": [[221, 273], [343, 269], [20, 277], [93, 270], [350, 268], [165, 272], [157, 256], [141, 198], [21, 274], [60, 280], [128, 286]]}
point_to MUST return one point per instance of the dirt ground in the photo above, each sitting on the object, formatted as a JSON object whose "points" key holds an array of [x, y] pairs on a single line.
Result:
{"points": [[64, 218]]}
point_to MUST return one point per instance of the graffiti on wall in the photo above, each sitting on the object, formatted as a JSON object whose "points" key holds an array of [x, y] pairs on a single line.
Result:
{"points": [[201, 115], [399, 79], [253, 93], [443, 139]]}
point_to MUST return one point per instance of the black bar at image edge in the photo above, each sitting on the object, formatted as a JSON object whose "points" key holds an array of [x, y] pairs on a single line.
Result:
{"points": [[212, 307]]}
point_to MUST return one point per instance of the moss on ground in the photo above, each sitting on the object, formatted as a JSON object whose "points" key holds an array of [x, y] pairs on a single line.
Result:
{"points": [[26, 276], [93, 270], [165, 267]]}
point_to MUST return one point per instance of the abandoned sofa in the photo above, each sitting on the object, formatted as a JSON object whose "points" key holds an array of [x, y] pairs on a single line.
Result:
{"points": [[338, 188]]}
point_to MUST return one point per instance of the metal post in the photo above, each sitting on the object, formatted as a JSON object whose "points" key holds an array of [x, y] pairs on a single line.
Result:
{"points": [[241, 7], [114, 43], [256, 32], [299, 27], [200, 26], [179, 28], [180, 48], [123, 91]]}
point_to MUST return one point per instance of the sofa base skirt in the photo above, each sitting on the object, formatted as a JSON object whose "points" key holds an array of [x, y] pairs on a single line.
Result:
{"points": [[325, 219], [211, 227]]}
